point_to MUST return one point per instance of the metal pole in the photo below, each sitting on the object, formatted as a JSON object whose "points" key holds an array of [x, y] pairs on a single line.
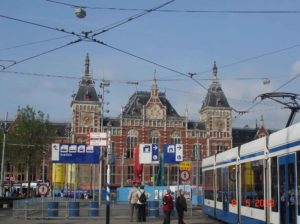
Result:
{"points": [[122, 174], [197, 172], [43, 168], [108, 178], [3, 156]]}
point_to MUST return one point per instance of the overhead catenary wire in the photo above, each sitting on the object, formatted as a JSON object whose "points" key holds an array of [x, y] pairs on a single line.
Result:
{"points": [[42, 53], [182, 10]]}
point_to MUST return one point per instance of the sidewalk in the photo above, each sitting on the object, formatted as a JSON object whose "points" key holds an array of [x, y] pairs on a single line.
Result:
{"points": [[198, 217]]}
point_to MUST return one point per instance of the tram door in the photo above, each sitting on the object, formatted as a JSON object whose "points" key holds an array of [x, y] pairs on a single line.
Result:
{"points": [[287, 189]]}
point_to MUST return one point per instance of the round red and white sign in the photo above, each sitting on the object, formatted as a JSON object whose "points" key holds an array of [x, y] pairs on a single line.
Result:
{"points": [[184, 175], [43, 189]]}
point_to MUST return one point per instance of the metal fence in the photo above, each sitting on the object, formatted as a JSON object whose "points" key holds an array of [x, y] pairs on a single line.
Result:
{"points": [[65, 208]]}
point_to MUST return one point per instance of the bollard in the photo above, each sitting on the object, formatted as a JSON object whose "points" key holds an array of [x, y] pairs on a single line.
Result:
{"points": [[52, 209], [73, 209], [93, 208], [153, 209]]}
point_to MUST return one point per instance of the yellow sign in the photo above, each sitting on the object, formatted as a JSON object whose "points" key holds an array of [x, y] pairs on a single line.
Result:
{"points": [[185, 166]]}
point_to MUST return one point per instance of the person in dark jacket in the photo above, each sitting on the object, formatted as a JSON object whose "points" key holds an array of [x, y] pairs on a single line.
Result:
{"points": [[181, 206], [167, 206]]}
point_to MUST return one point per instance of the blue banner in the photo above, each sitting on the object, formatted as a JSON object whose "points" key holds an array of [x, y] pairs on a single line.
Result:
{"points": [[75, 153]]}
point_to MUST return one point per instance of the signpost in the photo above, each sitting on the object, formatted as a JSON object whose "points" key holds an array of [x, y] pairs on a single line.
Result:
{"points": [[184, 175], [149, 154], [173, 153], [185, 166], [75, 153], [43, 189]]}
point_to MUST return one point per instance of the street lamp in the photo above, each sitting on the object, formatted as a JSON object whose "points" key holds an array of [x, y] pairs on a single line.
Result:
{"points": [[5, 131], [104, 84]]}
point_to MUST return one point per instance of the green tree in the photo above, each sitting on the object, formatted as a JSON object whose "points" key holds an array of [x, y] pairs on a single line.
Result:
{"points": [[28, 138]]}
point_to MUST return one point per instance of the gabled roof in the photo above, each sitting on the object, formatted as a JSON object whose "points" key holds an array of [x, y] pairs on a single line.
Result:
{"points": [[86, 92], [134, 107], [215, 96]]}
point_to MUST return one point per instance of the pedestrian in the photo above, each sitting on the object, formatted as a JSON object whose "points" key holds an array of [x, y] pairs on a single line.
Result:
{"points": [[141, 204], [181, 206], [167, 206], [132, 200]]}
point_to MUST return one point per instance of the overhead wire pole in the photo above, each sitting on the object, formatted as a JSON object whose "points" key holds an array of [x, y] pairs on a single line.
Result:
{"points": [[4, 127]]}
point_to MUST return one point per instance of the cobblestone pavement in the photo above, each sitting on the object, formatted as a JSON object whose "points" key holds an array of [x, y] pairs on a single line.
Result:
{"points": [[6, 217]]}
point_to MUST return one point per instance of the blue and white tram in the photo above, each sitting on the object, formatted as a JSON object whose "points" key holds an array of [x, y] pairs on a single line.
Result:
{"points": [[259, 182], [226, 185], [208, 170], [252, 181], [284, 166]]}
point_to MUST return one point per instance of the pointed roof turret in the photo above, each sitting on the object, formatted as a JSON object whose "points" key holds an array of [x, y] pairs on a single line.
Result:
{"points": [[215, 71], [86, 91], [154, 88], [86, 78], [215, 96]]}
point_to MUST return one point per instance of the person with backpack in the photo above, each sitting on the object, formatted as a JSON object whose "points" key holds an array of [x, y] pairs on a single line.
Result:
{"points": [[132, 200], [181, 206], [167, 206], [141, 204]]}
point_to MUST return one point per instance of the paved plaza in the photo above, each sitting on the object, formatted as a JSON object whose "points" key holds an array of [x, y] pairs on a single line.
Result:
{"points": [[6, 217]]}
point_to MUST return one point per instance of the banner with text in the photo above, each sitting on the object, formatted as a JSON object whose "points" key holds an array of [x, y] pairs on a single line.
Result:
{"points": [[75, 153]]}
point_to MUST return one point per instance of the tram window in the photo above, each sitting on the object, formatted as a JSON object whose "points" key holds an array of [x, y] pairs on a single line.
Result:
{"points": [[232, 183], [252, 183], [298, 180], [208, 185], [219, 184], [274, 184]]}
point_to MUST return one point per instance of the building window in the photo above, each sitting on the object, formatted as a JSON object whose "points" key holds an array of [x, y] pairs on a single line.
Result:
{"points": [[174, 175], [21, 172], [196, 152], [132, 137], [176, 137], [113, 174], [45, 172], [130, 172], [220, 148], [155, 137]]}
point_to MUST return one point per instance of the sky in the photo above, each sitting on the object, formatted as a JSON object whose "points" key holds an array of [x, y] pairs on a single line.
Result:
{"points": [[250, 41]]}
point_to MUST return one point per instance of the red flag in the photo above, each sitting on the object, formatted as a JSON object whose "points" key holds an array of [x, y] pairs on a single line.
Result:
{"points": [[138, 168]]}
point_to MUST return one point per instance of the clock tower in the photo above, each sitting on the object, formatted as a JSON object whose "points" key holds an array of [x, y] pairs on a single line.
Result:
{"points": [[85, 107], [217, 116]]}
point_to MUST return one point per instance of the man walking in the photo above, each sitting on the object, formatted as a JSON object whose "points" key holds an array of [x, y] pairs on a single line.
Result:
{"points": [[132, 200], [181, 206], [167, 206]]}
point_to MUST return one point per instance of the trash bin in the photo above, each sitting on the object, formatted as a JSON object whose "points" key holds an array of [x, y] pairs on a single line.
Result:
{"points": [[52, 209], [93, 208], [153, 208], [73, 209]]}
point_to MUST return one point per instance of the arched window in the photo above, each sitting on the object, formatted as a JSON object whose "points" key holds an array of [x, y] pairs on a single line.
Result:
{"points": [[154, 137], [176, 137], [132, 138]]}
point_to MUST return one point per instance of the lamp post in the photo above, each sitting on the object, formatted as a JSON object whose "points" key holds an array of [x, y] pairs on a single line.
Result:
{"points": [[4, 128], [103, 85], [197, 158]]}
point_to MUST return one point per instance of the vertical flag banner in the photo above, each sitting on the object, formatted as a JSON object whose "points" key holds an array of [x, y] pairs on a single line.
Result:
{"points": [[138, 167]]}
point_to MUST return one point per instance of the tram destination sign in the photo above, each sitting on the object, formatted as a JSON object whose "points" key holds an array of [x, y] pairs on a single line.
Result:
{"points": [[75, 153]]}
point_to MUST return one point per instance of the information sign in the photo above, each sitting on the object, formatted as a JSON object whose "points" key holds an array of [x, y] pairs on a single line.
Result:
{"points": [[173, 153], [185, 166], [43, 189], [184, 175], [148, 153], [75, 153]]}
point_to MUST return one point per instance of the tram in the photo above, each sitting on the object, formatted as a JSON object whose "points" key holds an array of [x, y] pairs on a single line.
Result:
{"points": [[258, 182]]}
